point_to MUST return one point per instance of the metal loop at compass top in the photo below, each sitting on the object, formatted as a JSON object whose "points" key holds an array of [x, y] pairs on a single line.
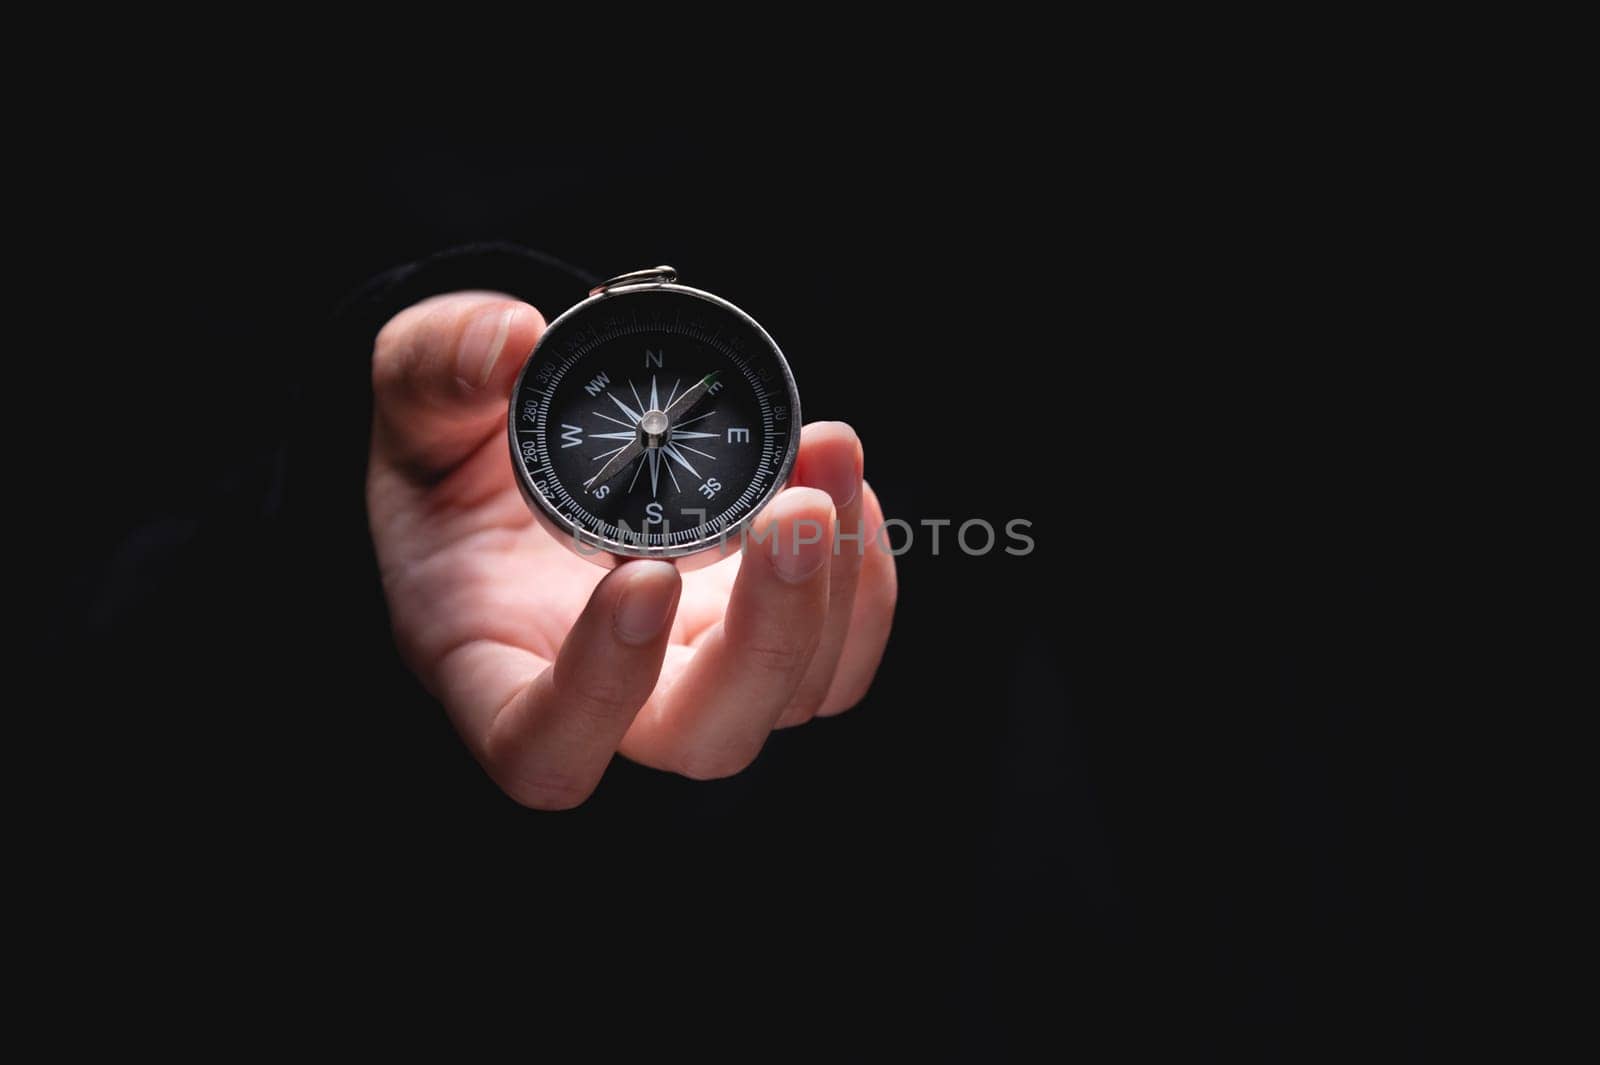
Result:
{"points": [[655, 275]]}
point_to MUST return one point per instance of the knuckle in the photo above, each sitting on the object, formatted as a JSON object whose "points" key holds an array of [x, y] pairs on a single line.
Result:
{"points": [[716, 763], [506, 764], [849, 700], [546, 794], [795, 716], [598, 698], [389, 336], [849, 697], [388, 350], [805, 705], [778, 657], [595, 689]]}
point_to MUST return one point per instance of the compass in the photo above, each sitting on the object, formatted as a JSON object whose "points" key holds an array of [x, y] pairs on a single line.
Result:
{"points": [[652, 420]]}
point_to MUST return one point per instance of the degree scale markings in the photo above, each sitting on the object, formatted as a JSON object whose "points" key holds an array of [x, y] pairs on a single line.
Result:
{"points": [[541, 466]]}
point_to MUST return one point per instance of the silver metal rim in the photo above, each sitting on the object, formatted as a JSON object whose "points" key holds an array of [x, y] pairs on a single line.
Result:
{"points": [[608, 552], [651, 275]]}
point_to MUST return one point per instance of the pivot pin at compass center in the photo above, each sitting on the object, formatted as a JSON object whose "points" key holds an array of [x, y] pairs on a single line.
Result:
{"points": [[653, 428]]}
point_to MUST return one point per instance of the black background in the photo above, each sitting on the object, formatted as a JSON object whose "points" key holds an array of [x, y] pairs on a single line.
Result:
{"points": [[1149, 787]]}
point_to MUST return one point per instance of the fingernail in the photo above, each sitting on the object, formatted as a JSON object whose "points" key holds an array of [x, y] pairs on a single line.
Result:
{"points": [[644, 605], [797, 558], [841, 479], [481, 345]]}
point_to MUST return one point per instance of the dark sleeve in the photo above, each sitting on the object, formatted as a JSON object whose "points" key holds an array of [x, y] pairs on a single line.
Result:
{"points": [[247, 608]]}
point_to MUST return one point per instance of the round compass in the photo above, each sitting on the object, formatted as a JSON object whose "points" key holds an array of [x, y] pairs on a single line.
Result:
{"points": [[652, 420]]}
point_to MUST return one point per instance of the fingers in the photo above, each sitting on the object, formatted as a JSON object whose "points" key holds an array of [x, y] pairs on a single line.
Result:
{"points": [[714, 719], [871, 617], [549, 742], [442, 372], [831, 459]]}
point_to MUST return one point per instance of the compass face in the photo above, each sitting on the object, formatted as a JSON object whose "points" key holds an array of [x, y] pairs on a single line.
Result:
{"points": [[653, 421]]}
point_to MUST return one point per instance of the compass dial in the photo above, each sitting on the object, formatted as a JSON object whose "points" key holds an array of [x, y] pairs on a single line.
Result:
{"points": [[653, 420]]}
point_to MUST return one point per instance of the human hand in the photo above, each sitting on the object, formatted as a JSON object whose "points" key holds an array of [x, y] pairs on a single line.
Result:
{"points": [[547, 663]]}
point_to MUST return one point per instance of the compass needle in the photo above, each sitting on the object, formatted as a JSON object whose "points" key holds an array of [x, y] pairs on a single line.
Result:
{"points": [[590, 462], [691, 421]]}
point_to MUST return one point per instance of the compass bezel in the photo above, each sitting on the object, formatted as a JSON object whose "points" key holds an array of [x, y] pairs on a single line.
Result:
{"points": [[611, 552]]}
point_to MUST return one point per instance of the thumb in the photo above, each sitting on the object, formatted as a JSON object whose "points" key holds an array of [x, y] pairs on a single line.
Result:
{"points": [[442, 371]]}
